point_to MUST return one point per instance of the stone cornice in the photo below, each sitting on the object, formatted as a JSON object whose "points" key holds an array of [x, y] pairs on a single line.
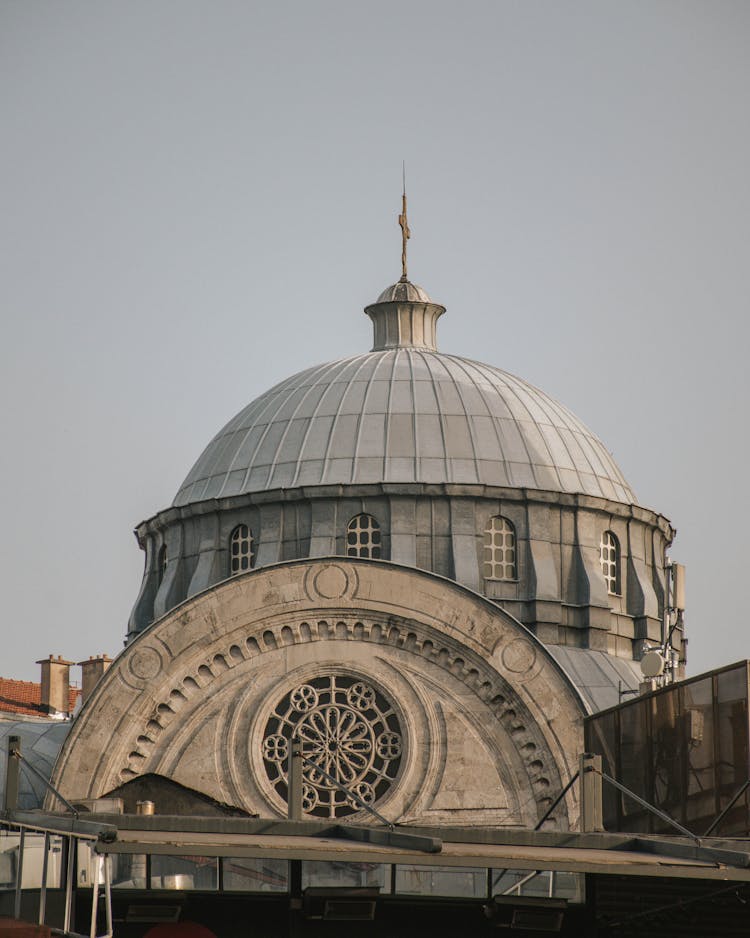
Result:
{"points": [[171, 515]]}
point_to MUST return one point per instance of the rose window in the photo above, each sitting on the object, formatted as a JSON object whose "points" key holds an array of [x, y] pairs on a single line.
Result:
{"points": [[346, 728]]}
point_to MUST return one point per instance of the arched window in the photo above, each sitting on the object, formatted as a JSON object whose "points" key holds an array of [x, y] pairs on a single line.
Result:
{"points": [[241, 550], [609, 550], [499, 550], [161, 562], [363, 537]]}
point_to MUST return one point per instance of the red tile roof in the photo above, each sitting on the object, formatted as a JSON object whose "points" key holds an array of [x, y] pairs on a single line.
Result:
{"points": [[26, 697]]}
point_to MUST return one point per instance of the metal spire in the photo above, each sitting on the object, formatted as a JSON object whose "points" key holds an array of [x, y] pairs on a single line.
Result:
{"points": [[405, 233]]}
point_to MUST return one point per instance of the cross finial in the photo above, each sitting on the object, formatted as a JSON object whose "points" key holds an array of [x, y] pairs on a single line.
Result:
{"points": [[405, 233]]}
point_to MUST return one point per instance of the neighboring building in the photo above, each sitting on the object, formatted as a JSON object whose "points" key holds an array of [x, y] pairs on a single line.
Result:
{"points": [[25, 697], [422, 567], [40, 714]]}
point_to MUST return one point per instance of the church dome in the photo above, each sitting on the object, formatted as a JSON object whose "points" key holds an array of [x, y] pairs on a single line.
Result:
{"points": [[404, 415], [408, 455]]}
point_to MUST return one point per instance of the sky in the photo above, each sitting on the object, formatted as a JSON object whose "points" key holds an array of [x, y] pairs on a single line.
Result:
{"points": [[197, 199]]}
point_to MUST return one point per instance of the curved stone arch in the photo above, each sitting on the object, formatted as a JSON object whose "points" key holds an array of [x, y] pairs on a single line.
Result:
{"points": [[480, 678], [169, 669], [446, 653]]}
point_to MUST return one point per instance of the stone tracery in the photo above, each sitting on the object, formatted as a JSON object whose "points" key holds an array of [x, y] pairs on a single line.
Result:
{"points": [[347, 729]]}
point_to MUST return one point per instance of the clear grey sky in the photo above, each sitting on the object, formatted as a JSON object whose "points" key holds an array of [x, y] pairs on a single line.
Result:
{"points": [[198, 198]]}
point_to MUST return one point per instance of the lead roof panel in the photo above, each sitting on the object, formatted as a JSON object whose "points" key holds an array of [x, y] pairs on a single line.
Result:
{"points": [[474, 422]]}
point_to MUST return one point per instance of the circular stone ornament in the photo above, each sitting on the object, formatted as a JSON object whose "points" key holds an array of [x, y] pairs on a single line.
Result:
{"points": [[519, 656], [331, 583], [350, 735], [145, 663]]}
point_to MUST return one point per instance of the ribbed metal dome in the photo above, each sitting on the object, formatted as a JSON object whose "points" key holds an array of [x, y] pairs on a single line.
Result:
{"points": [[404, 415], [403, 291]]}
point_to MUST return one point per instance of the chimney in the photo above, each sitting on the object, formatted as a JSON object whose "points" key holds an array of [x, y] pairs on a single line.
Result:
{"points": [[91, 672], [55, 685]]}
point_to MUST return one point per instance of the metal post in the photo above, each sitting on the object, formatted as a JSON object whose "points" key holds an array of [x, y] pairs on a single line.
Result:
{"points": [[667, 601], [95, 894], [108, 893], [19, 874], [296, 901], [69, 869], [590, 774], [45, 870], [294, 777], [12, 768]]}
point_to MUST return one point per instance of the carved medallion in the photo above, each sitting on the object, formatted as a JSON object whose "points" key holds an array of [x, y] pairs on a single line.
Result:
{"points": [[519, 656], [145, 663], [332, 581]]}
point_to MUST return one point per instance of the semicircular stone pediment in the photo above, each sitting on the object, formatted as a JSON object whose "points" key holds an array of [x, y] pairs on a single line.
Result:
{"points": [[426, 700]]}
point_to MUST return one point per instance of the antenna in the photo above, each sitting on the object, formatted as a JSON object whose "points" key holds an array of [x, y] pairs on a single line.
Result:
{"points": [[403, 223]]}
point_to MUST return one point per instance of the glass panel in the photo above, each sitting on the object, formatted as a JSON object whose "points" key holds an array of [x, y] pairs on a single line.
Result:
{"points": [[600, 739], [685, 749], [33, 860], [128, 871], [324, 873], [87, 866], [667, 756], [85, 862], [8, 858], [634, 766], [697, 709], [545, 884], [732, 744], [184, 872], [568, 886], [414, 879], [55, 862], [251, 875]]}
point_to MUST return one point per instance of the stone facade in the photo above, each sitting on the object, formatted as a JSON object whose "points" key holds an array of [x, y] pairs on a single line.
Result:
{"points": [[485, 727]]}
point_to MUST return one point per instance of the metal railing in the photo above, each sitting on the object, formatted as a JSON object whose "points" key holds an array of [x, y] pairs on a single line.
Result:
{"points": [[72, 831], [72, 839]]}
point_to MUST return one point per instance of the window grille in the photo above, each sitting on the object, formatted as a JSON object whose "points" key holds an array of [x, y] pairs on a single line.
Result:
{"points": [[363, 537], [346, 726], [609, 549], [241, 550], [499, 550]]}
